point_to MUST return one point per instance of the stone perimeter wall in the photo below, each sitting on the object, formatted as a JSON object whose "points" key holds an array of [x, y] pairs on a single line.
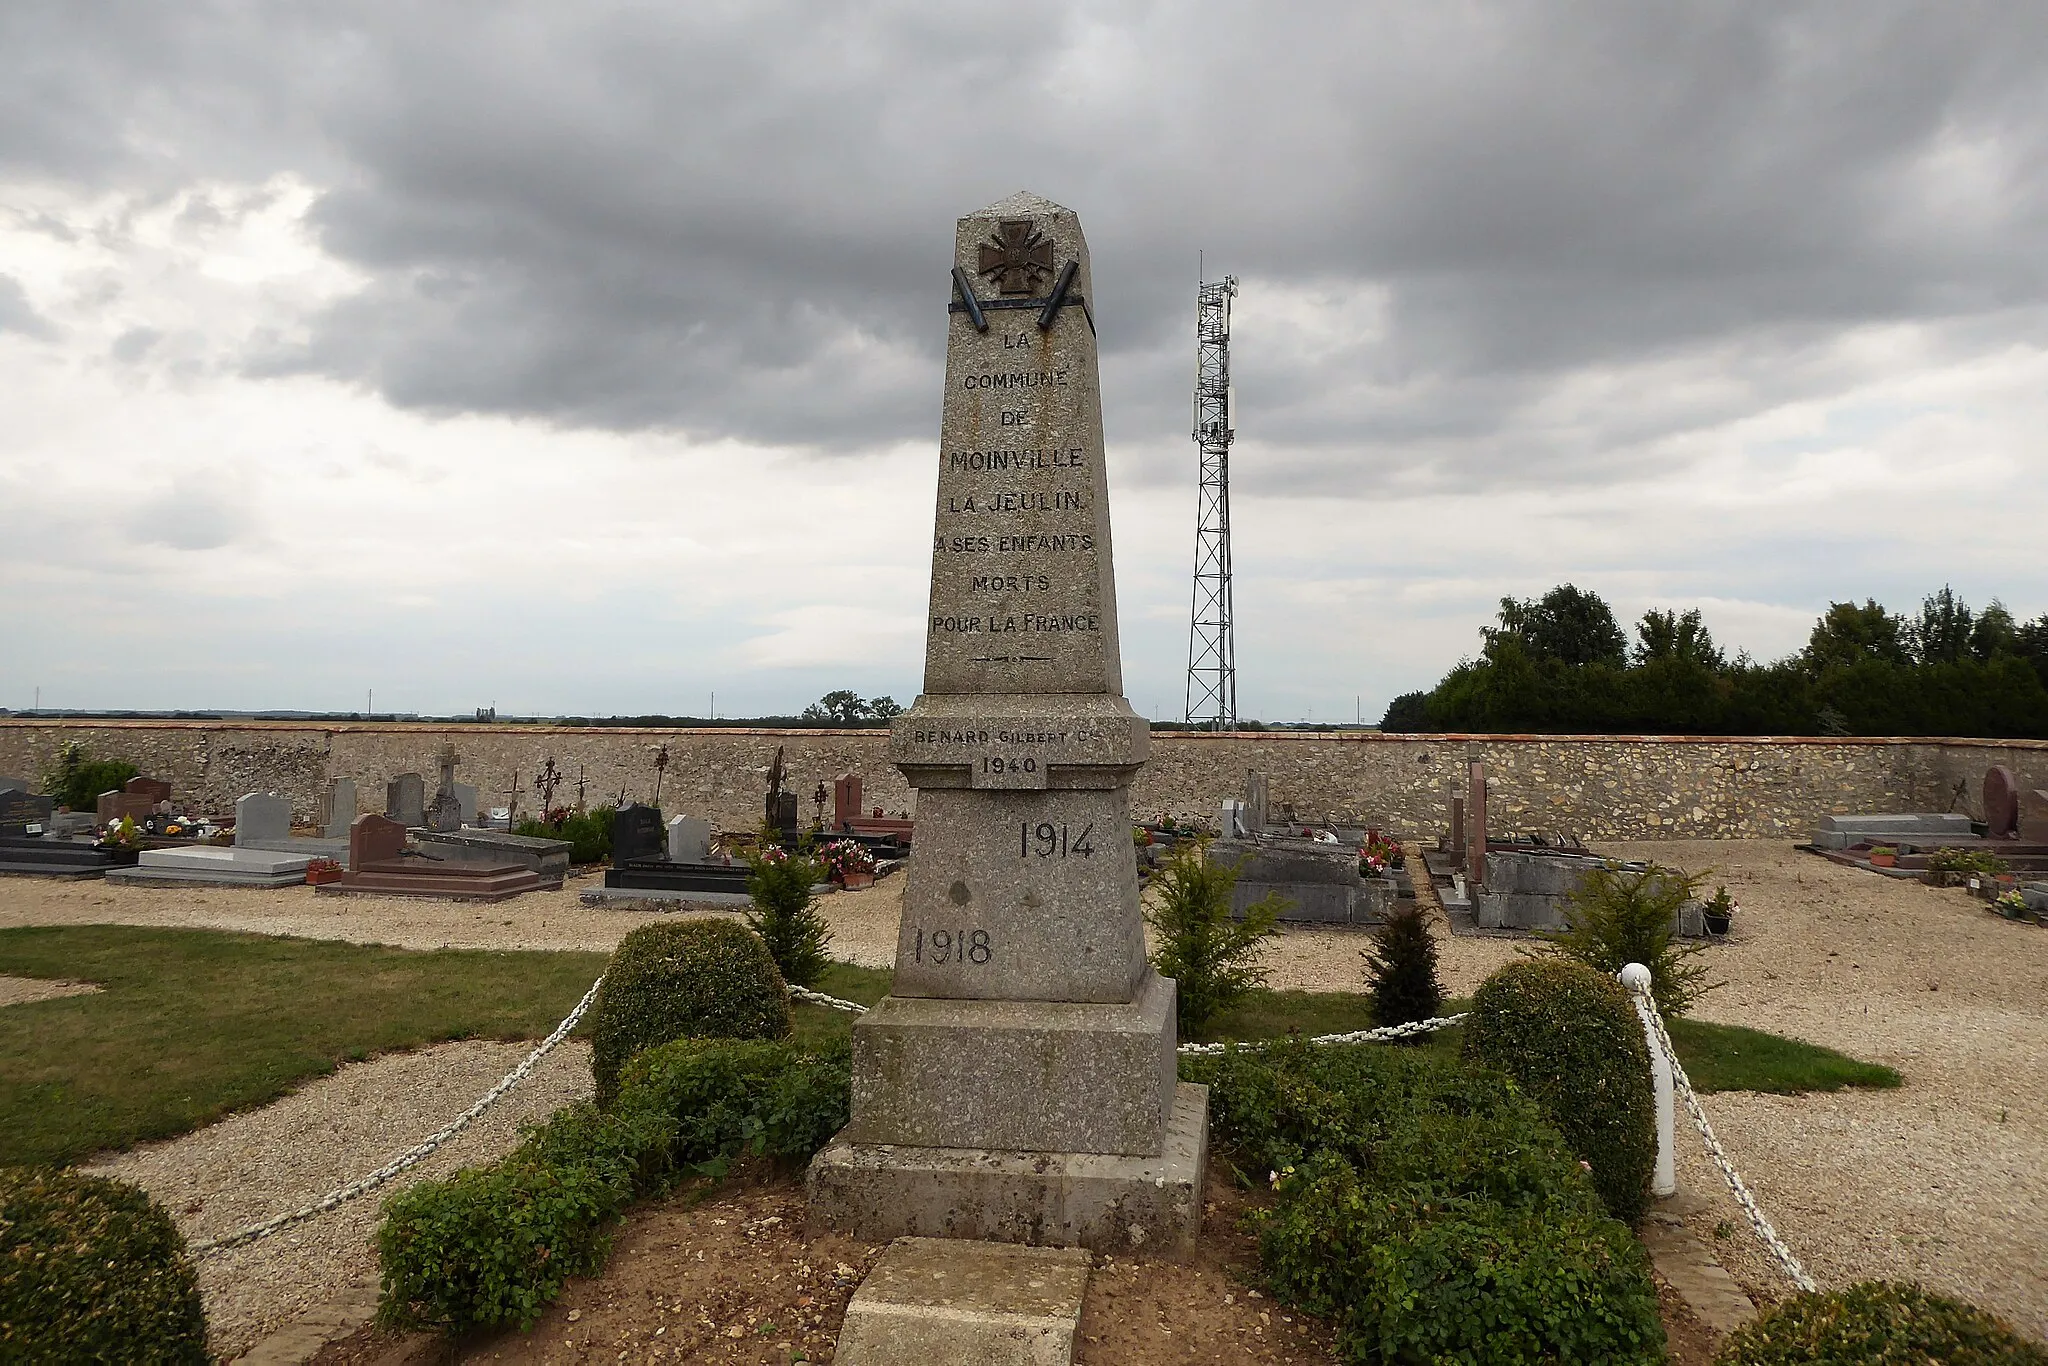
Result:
{"points": [[1600, 787]]}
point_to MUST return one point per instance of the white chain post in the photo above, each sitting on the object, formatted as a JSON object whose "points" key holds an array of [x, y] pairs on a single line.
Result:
{"points": [[1664, 1182]]}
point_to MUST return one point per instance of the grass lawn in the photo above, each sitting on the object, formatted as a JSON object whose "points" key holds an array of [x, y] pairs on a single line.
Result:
{"points": [[194, 1024], [1720, 1057]]}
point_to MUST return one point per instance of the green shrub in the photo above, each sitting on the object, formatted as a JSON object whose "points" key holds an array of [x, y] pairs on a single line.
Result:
{"points": [[76, 779], [1571, 1038], [1211, 955], [1877, 1323], [589, 833], [1981, 861], [1382, 1110], [491, 1247], [683, 979], [1618, 917], [785, 912], [1401, 970], [92, 1270], [1428, 1208], [731, 1100]]}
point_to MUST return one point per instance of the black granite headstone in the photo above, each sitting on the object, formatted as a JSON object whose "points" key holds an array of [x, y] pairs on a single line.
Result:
{"points": [[785, 816], [19, 811], [637, 833]]}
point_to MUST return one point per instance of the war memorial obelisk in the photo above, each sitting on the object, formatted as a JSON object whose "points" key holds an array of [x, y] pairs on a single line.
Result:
{"points": [[1019, 1083]]}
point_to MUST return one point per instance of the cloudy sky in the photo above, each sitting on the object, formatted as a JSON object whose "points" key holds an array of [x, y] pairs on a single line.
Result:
{"points": [[586, 358]]}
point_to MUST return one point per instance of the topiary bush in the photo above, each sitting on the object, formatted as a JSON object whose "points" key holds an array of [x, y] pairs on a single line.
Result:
{"points": [[491, 1247], [1877, 1323], [1428, 1208], [732, 1100], [92, 1270], [683, 979], [1411, 1276], [1401, 971], [1570, 1037]]}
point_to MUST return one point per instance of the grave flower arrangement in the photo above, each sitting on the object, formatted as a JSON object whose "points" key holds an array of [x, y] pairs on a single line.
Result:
{"points": [[121, 834], [2013, 906], [1378, 855], [846, 861]]}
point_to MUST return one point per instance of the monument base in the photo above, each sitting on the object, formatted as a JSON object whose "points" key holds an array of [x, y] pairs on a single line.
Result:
{"points": [[1041, 1076], [1149, 1205]]}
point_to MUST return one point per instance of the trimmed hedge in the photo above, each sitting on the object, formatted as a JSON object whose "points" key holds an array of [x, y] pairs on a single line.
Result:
{"points": [[686, 979], [1429, 1209], [1570, 1037], [1878, 1323], [92, 1270], [492, 1247]]}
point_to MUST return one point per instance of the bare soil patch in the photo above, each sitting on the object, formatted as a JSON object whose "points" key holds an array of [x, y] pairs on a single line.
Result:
{"points": [[19, 991], [729, 1276]]}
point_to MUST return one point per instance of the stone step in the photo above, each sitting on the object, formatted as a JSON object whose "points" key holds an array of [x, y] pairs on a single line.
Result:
{"points": [[944, 1302]]}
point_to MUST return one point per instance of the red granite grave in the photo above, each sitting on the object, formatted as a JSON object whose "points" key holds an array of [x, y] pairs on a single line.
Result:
{"points": [[848, 819], [380, 864]]}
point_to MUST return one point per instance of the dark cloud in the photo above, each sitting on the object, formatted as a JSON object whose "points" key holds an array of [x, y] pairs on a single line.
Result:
{"points": [[734, 221]]}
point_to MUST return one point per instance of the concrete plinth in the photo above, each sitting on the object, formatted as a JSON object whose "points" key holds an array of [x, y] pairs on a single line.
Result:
{"points": [[1106, 1203], [1041, 1076], [931, 1302]]}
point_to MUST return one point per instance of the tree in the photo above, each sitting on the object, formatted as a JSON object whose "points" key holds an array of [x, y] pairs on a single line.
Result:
{"points": [[1401, 970], [1212, 955], [1566, 624], [1995, 633], [884, 707], [1667, 635], [841, 706], [1847, 634], [2030, 642], [1942, 634], [1406, 714]]}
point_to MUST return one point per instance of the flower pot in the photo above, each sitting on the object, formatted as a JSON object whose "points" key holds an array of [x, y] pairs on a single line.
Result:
{"points": [[1718, 924], [316, 875], [1884, 860], [853, 882]]}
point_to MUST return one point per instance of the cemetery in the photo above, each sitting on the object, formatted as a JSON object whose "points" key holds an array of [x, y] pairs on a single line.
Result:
{"points": [[1421, 1048]]}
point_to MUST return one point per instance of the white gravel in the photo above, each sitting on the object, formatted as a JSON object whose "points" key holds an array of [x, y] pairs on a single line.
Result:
{"points": [[1944, 1180]]}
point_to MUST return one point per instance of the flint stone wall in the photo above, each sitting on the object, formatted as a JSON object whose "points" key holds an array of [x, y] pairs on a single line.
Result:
{"points": [[1598, 787]]}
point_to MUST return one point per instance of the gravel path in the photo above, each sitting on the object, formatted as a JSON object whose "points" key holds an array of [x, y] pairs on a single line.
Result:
{"points": [[1944, 1180]]}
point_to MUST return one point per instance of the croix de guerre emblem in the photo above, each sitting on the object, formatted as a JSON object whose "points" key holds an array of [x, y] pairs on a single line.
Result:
{"points": [[1020, 257]]}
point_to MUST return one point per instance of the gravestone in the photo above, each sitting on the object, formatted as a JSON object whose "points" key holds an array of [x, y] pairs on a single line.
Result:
{"points": [[2001, 804], [444, 813], [1257, 803], [14, 785], [1457, 839], [155, 789], [689, 840], [374, 839], [465, 803], [1018, 1084], [261, 816], [114, 806], [1475, 821], [1231, 820], [846, 797], [637, 833], [341, 808], [2033, 816], [405, 801], [24, 814]]}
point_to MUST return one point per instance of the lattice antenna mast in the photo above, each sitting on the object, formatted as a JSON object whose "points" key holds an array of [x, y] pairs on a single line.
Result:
{"points": [[1212, 650]]}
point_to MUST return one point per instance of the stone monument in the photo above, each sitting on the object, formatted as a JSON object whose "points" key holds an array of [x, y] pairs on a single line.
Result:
{"points": [[1019, 1084], [341, 809], [405, 801]]}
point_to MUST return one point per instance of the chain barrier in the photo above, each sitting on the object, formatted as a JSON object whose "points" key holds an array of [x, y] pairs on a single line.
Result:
{"points": [[1761, 1226], [419, 1153], [413, 1156]]}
